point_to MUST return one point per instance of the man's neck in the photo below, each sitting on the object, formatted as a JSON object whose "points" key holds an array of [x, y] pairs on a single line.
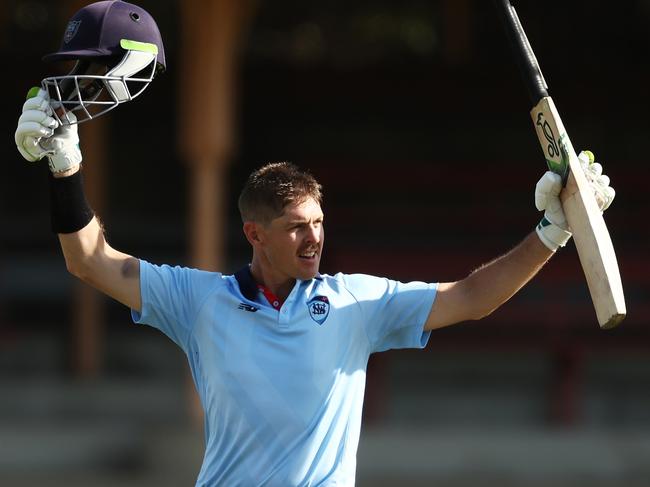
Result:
{"points": [[280, 286]]}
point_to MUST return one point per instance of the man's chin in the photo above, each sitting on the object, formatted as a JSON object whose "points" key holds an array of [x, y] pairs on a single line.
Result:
{"points": [[307, 274]]}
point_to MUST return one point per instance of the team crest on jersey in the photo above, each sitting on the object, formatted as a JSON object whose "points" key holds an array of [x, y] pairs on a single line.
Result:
{"points": [[71, 30], [319, 308]]}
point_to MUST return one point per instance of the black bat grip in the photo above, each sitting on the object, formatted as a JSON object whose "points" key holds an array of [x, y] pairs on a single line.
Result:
{"points": [[524, 55]]}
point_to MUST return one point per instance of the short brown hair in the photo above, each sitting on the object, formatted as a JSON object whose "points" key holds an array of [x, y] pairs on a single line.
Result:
{"points": [[272, 187]]}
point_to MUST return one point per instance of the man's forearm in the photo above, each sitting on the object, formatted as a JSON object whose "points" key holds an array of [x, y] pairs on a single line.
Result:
{"points": [[494, 283]]}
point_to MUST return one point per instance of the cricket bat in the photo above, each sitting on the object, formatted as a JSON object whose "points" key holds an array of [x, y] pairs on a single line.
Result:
{"points": [[590, 234]]}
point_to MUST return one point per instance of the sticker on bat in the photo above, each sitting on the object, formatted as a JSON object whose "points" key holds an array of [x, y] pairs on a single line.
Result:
{"points": [[545, 127], [557, 158]]}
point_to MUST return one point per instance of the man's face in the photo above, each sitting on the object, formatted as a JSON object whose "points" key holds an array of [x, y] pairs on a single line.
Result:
{"points": [[292, 243]]}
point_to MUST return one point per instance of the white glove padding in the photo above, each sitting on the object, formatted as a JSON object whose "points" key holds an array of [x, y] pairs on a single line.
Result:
{"points": [[35, 122], [553, 229], [599, 182], [38, 135], [62, 148]]}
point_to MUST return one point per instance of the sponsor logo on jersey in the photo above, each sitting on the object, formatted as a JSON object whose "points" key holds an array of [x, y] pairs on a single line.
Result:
{"points": [[319, 308], [247, 307]]}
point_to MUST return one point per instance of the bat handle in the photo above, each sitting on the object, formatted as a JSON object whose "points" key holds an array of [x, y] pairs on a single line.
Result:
{"points": [[524, 55]]}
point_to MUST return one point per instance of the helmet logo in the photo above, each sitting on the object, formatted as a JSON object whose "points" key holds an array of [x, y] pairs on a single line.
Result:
{"points": [[71, 30]]}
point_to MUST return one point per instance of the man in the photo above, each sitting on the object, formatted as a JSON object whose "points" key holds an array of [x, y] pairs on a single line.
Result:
{"points": [[278, 351]]}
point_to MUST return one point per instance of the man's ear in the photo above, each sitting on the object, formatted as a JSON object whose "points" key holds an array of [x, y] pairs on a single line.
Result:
{"points": [[253, 232]]}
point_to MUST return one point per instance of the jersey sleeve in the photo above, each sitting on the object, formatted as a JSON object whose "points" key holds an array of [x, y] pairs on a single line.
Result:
{"points": [[172, 297], [393, 312]]}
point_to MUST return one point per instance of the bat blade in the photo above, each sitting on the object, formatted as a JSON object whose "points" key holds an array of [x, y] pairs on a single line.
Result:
{"points": [[590, 234]]}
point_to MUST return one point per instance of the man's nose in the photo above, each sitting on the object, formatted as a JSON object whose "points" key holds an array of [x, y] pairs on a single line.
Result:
{"points": [[313, 234]]}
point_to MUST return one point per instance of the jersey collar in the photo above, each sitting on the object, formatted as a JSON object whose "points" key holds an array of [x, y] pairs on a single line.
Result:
{"points": [[247, 284], [273, 300]]}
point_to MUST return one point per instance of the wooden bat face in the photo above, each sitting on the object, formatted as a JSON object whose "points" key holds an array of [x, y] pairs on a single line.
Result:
{"points": [[585, 219]]}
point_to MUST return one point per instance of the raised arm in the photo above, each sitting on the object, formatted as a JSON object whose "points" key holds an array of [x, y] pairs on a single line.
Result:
{"points": [[489, 286], [492, 284], [87, 254], [89, 257]]}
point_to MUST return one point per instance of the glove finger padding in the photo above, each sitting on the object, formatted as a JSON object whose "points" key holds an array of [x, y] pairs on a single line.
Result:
{"points": [[40, 103], [553, 230], [547, 197], [599, 182], [63, 147], [28, 136], [35, 123], [594, 168], [40, 117], [548, 187]]}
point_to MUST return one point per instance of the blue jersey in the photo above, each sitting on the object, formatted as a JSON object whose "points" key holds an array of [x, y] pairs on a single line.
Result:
{"points": [[282, 389]]}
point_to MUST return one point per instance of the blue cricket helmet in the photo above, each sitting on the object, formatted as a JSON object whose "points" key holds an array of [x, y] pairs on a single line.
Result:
{"points": [[96, 31], [118, 49]]}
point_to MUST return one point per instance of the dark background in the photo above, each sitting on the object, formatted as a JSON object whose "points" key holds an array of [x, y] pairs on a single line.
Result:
{"points": [[413, 116]]}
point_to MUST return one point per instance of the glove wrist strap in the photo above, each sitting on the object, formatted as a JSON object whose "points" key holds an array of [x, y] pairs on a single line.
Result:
{"points": [[69, 209], [552, 235]]}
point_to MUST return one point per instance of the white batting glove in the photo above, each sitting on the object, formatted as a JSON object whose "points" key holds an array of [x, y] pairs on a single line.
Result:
{"points": [[39, 135], [553, 230]]}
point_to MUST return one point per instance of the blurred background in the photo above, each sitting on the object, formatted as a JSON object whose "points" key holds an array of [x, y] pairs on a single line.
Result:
{"points": [[413, 116]]}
